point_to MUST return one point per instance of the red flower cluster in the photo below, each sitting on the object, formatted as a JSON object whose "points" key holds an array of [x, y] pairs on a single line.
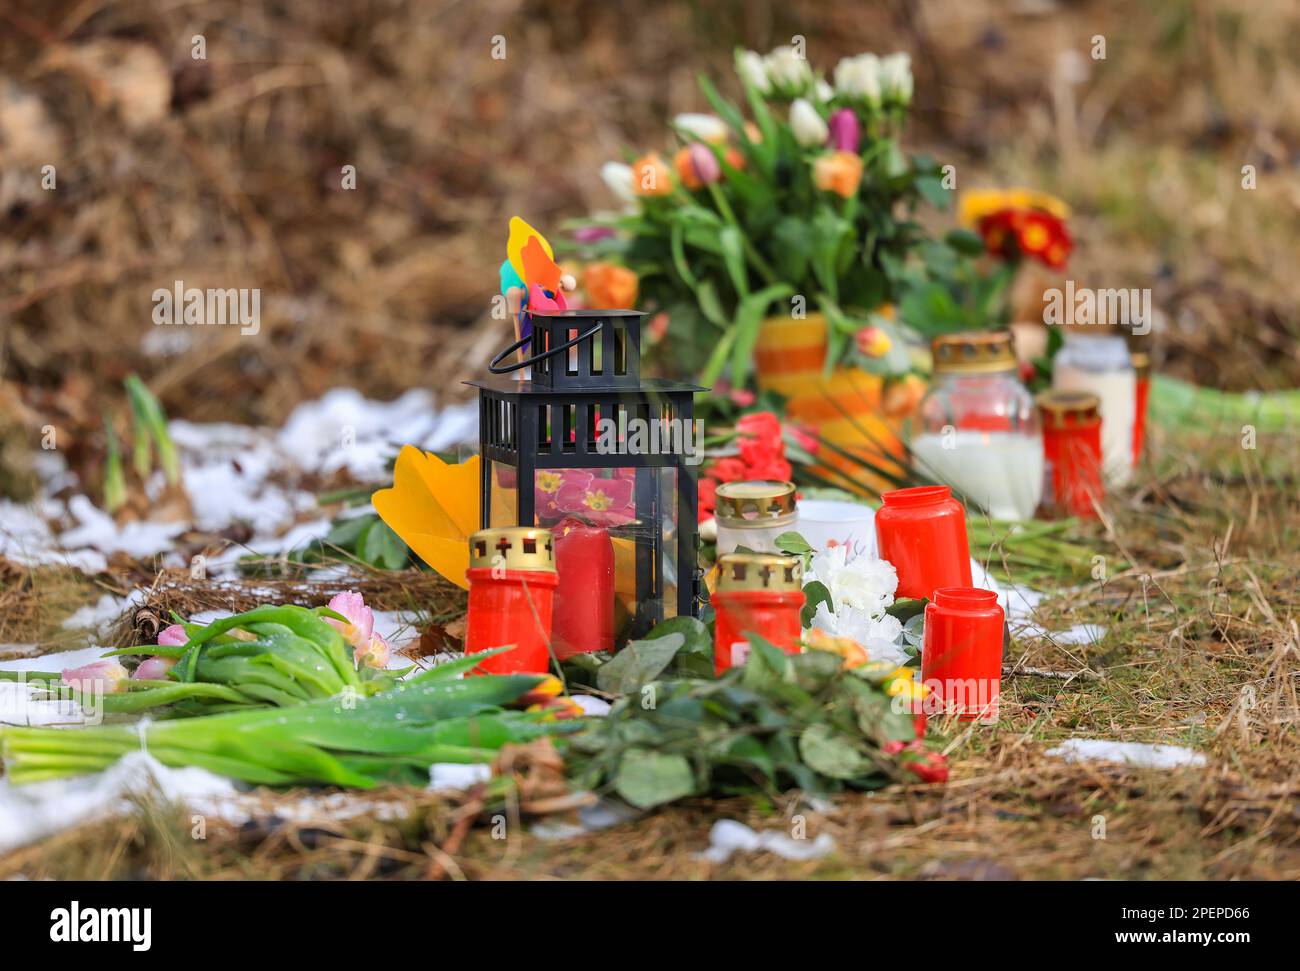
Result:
{"points": [[1027, 232], [925, 765], [761, 456]]}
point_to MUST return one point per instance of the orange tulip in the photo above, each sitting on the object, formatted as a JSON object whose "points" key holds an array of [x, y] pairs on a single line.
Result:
{"points": [[610, 287], [434, 507], [838, 172], [651, 176]]}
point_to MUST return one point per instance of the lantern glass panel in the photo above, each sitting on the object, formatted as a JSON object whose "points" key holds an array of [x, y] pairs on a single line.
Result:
{"points": [[504, 497], [640, 523]]}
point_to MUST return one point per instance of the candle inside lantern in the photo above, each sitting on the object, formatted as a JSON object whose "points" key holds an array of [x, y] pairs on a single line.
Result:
{"points": [[512, 584], [758, 593], [584, 600]]}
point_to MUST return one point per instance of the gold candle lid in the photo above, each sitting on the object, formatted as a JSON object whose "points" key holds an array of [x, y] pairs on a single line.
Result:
{"points": [[760, 571], [756, 504], [973, 352], [1141, 363], [1062, 408], [513, 548]]}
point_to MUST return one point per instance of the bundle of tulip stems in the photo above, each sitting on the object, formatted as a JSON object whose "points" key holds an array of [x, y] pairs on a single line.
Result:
{"points": [[390, 737]]}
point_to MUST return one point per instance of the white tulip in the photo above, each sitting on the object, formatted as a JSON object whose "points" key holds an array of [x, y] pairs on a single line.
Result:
{"points": [[749, 65], [896, 77], [824, 91], [808, 126], [859, 77], [620, 180], [704, 128], [787, 71]]}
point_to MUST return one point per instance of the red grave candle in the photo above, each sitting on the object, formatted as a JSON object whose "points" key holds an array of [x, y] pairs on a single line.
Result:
{"points": [[1071, 453], [758, 593], [1142, 365], [584, 599], [922, 531], [512, 584], [961, 659]]}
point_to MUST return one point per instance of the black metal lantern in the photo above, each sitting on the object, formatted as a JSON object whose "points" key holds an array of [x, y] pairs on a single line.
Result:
{"points": [[586, 438]]}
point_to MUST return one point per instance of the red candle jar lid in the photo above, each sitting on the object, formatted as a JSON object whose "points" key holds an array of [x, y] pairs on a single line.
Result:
{"points": [[965, 598], [1068, 409], [916, 495], [513, 548], [759, 571]]}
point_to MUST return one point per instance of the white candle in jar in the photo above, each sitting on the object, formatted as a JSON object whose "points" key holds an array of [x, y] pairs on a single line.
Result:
{"points": [[1002, 472]]}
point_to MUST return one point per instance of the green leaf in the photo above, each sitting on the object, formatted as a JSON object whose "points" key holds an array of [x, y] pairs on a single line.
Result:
{"points": [[792, 542], [733, 255], [815, 593], [933, 190], [384, 548], [965, 242], [749, 319], [647, 779], [827, 753], [696, 638], [639, 663]]}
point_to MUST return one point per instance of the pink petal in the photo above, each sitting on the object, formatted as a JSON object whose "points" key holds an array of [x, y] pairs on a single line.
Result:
{"points": [[106, 675], [376, 653], [173, 636], [154, 669], [361, 619]]}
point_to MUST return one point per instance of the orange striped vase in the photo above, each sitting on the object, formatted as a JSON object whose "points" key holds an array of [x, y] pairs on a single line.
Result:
{"points": [[844, 407]]}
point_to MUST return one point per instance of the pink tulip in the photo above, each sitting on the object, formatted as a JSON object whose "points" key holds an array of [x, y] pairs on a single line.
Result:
{"points": [[376, 653], [173, 636], [845, 132], [704, 163], [154, 668], [107, 676], [359, 631]]}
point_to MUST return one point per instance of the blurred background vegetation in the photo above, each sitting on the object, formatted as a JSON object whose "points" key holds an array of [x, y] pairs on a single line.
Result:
{"points": [[227, 171]]}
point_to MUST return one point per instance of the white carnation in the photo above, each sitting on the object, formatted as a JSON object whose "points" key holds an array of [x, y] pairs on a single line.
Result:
{"points": [[880, 637], [862, 582]]}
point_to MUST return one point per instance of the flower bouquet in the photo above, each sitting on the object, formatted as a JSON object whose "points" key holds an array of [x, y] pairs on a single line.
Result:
{"points": [[775, 242]]}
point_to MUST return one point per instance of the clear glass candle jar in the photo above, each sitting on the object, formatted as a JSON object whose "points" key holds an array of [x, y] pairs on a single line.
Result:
{"points": [[978, 429], [1097, 361], [753, 514]]}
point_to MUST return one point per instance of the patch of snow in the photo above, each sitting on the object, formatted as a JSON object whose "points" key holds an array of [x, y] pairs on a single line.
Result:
{"points": [[32, 812], [97, 530], [344, 430], [1078, 634], [1138, 754], [446, 776], [729, 836], [603, 814]]}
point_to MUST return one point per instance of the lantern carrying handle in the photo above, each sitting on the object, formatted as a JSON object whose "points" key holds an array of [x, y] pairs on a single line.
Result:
{"points": [[496, 367]]}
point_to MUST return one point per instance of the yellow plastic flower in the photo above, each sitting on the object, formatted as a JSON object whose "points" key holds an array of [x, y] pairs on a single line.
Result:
{"points": [[903, 682], [434, 507], [975, 204], [853, 653]]}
